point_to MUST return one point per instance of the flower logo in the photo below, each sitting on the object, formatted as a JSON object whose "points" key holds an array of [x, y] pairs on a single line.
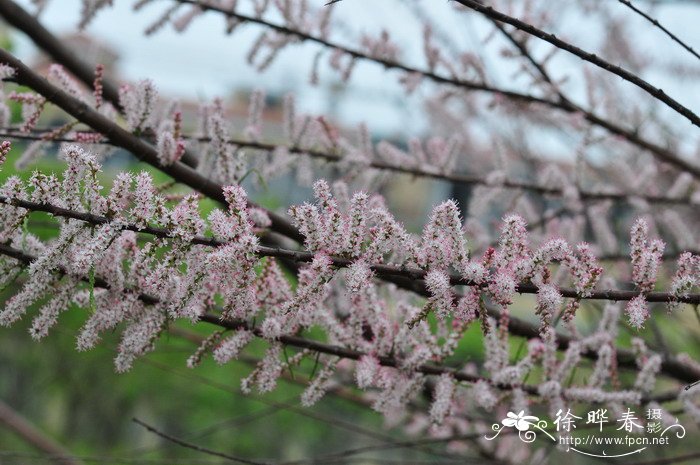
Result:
{"points": [[521, 421]]}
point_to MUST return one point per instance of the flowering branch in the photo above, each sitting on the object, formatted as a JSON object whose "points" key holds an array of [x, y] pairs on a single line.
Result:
{"points": [[457, 178], [19, 18], [324, 348], [16, 16], [566, 105], [339, 262], [124, 139], [370, 300]]}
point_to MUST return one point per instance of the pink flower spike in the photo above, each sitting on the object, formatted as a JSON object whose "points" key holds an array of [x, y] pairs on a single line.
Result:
{"points": [[637, 311], [5, 148]]}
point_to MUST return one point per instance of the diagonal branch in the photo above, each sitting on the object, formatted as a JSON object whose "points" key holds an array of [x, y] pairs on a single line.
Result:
{"points": [[124, 139], [196, 447], [656, 23], [411, 273], [625, 358], [661, 153], [628, 76], [457, 178], [18, 17], [27, 431]]}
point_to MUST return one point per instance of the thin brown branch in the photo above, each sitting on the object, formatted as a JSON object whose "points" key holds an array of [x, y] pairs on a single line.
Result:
{"points": [[341, 262], [661, 153], [628, 76], [457, 178], [18, 17], [196, 447], [124, 139], [656, 23]]}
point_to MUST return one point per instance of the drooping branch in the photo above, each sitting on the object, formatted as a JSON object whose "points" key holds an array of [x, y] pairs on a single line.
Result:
{"points": [[196, 447], [656, 23]]}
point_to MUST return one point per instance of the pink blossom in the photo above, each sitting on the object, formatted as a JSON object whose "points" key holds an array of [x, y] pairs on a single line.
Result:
{"points": [[366, 371], [138, 102], [441, 299], [232, 346], [145, 203], [442, 398], [319, 385], [443, 244], [97, 85], [483, 395], [5, 148], [48, 313], [686, 278], [584, 269], [469, 306], [475, 272], [549, 302], [358, 277], [139, 338], [637, 311], [257, 103], [502, 288], [513, 240], [646, 256]]}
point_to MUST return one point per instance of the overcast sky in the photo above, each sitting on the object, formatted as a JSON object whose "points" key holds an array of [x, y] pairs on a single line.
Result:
{"points": [[203, 62]]}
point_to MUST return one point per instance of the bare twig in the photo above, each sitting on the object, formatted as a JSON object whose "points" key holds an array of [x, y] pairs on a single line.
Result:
{"points": [[656, 23], [196, 447]]}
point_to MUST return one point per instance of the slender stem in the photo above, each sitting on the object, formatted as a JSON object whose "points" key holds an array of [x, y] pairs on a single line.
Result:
{"points": [[196, 447], [659, 152], [628, 76], [517, 327], [656, 23], [124, 139], [340, 262], [457, 178]]}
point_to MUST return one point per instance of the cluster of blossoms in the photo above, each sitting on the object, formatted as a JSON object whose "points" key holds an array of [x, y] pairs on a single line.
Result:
{"points": [[194, 267], [372, 303]]}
